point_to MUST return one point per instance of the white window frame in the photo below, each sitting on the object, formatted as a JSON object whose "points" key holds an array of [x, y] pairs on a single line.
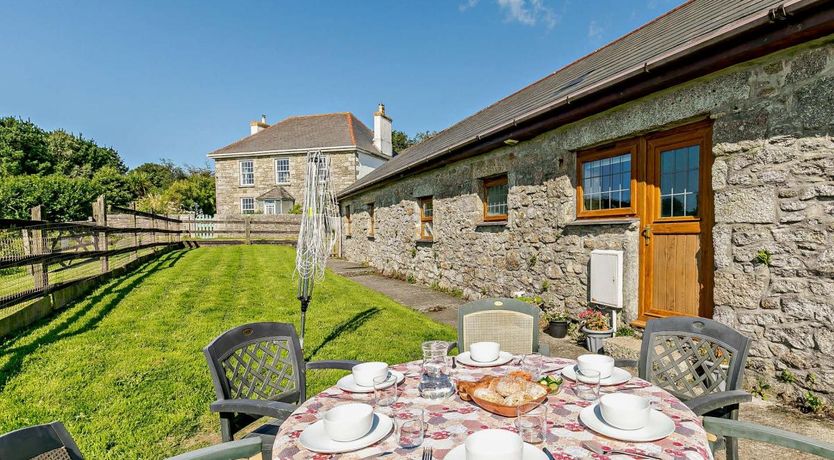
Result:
{"points": [[242, 209], [287, 171], [243, 174]]}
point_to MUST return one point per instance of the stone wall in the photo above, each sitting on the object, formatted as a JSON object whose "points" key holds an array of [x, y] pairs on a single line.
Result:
{"points": [[773, 180], [343, 166]]}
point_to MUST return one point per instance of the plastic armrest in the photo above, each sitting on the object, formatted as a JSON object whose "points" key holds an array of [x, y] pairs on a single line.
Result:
{"points": [[452, 345], [332, 364], [262, 407], [626, 362], [244, 448], [756, 432], [708, 403]]}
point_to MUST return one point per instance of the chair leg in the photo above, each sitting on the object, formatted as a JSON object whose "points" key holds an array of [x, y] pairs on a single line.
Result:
{"points": [[731, 444], [226, 433]]}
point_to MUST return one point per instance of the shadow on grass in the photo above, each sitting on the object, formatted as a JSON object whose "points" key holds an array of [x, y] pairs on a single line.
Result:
{"points": [[121, 287], [348, 326]]}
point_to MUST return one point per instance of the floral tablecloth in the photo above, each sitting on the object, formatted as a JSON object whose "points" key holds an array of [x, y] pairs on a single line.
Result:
{"points": [[451, 420]]}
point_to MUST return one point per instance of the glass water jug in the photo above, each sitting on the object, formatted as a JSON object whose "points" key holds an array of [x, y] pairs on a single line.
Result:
{"points": [[435, 382]]}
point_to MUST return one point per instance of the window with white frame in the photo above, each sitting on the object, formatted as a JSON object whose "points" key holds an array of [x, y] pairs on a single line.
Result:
{"points": [[282, 170], [269, 207], [247, 205], [247, 172]]}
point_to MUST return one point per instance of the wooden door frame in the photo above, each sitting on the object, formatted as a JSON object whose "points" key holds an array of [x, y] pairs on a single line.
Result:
{"points": [[648, 205]]}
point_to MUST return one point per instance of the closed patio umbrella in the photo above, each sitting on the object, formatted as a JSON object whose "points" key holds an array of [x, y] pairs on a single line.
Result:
{"points": [[319, 232]]}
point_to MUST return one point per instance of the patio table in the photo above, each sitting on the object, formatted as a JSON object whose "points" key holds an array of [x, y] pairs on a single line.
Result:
{"points": [[451, 420]]}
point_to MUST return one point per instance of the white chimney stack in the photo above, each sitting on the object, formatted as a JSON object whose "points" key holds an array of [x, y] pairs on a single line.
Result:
{"points": [[257, 126], [382, 131]]}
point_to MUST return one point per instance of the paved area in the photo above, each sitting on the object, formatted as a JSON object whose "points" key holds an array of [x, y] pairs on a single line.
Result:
{"points": [[443, 308]]}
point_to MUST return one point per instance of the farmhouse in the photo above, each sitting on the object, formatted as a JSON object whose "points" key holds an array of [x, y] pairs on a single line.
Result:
{"points": [[264, 172], [699, 146]]}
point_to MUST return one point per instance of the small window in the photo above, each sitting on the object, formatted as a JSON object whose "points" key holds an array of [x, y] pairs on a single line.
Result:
{"points": [[282, 170], [679, 170], [247, 173], [496, 191], [247, 205], [348, 222], [605, 182], [426, 218], [371, 220]]}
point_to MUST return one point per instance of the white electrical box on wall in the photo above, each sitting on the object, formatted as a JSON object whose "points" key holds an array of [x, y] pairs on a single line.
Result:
{"points": [[607, 278]]}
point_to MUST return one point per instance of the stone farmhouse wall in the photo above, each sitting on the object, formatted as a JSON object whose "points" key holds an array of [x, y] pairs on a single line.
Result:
{"points": [[773, 181], [343, 166]]}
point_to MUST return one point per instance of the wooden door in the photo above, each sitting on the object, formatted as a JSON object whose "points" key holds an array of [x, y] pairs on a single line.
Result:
{"points": [[676, 221]]}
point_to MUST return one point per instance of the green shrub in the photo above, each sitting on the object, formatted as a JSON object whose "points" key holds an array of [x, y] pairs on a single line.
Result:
{"points": [[810, 402], [786, 376], [760, 388], [626, 331], [764, 257]]}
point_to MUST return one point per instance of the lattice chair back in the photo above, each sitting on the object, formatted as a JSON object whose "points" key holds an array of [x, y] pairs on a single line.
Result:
{"points": [[40, 442], [511, 323], [692, 357], [257, 361]]}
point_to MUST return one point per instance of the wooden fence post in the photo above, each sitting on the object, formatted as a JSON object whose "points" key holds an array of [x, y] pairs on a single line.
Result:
{"points": [[135, 254], [36, 246], [100, 216], [246, 229]]}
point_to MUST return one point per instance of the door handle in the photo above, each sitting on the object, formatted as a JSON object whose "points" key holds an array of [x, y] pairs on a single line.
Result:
{"points": [[647, 233]]}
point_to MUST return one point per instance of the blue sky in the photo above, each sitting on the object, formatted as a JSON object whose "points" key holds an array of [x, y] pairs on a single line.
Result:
{"points": [[177, 79]]}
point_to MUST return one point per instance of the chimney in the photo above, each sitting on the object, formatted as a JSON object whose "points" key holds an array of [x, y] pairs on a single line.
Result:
{"points": [[382, 131], [257, 126]]}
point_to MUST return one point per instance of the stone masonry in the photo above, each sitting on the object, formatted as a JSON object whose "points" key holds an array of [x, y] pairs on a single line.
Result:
{"points": [[773, 181], [343, 166]]}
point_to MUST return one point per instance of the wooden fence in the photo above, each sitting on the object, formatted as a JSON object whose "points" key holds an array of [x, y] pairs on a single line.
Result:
{"points": [[249, 229], [40, 258]]}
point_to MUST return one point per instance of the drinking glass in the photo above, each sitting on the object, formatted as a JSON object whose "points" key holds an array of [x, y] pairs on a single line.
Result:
{"points": [[532, 364], [587, 384], [532, 423], [410, 428], [385, 393]]}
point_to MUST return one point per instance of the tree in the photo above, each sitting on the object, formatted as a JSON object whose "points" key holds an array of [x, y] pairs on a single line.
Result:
{"points": [[400, 140], [63, 198], [23, 148], [160, 176], [194, 192], [76, 156], [115, 185]]}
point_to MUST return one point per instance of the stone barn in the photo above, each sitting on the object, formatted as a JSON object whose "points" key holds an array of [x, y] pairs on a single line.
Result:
{"points": [[699, 145]]}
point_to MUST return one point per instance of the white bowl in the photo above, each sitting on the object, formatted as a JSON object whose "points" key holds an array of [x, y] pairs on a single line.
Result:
{"points": [[600, 363], [484, 352], [348, 422], [364, 374], [625, 411], [493, 445]]}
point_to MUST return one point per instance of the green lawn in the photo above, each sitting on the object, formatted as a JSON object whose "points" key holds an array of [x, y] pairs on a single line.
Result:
{"points": [[124, 369]]}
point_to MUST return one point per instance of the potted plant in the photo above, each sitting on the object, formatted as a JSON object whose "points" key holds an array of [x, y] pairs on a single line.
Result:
{"points": [[557, 323], [596, 326]]}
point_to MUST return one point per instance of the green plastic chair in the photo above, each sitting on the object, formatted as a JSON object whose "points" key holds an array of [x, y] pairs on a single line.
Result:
{"points": [[746, 430], [52, 441]]}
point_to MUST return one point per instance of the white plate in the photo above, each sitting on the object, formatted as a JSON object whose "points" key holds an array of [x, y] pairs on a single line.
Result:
{"points": [[314, 437], [348, 384], [659, 427], [465, 359], [618, 376], [530, 452]]}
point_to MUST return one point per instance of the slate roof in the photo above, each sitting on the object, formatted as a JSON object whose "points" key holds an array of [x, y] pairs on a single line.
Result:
{"points": [[276, 193], [306, 132], [678, 28]]}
